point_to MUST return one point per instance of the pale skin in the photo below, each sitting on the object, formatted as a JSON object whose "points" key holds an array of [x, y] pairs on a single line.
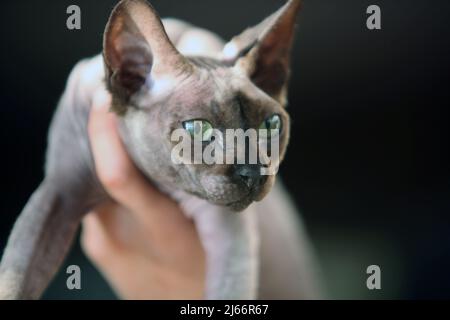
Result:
{"points": [[142, 242]]}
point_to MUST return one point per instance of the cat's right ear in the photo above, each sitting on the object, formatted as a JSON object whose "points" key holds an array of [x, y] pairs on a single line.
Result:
{"points": [[137, 50]]}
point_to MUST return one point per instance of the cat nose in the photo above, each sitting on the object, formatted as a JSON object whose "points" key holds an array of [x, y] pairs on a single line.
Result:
{"points": [[249, 174]]}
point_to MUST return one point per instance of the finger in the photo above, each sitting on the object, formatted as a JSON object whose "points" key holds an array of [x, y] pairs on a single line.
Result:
{"points": [[100, 245], [95, 239]]}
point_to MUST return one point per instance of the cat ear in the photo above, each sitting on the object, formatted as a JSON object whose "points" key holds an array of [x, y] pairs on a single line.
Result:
{"points": [[136, 48], [263, 52]]}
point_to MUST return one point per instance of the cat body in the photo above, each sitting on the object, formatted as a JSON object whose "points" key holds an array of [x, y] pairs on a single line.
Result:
{"points": [[260, 252]]}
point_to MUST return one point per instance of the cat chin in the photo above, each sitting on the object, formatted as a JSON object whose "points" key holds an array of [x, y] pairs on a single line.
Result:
{"points": [[239, 206], [254, 196]]}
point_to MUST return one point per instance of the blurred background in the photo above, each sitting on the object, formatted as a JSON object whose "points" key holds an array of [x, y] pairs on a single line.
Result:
{"points": [[368, 164]]}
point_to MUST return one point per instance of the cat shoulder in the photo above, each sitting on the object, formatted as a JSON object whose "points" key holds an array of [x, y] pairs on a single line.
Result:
{"points": [[89, 73]]}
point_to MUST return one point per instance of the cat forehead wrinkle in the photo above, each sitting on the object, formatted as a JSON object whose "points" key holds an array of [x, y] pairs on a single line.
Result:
{"points": [[208, 63], [201, 88], [248, 91], [224, 113], [160, 89]]}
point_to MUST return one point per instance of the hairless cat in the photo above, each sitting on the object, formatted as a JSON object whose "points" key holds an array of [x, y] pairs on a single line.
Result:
{"points": [[162, 73]]}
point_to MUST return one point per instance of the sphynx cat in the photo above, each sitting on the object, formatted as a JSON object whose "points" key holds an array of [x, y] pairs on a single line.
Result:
{"points": [[160, 74]]}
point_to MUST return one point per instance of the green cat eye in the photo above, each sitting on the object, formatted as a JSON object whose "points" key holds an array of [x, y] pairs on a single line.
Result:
{"points": [[271, 123], [200, 128]]}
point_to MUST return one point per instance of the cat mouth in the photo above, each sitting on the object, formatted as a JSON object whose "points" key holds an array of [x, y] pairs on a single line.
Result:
{"points": [[249, 196], [237, 202], [241, 205], [236, 194], [246, 200]]}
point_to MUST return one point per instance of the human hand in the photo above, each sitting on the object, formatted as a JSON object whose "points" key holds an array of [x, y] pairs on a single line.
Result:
{"points": [[142, 243]]}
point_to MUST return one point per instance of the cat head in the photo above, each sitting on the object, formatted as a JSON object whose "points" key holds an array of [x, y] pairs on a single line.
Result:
{"points": [[157, 91]]}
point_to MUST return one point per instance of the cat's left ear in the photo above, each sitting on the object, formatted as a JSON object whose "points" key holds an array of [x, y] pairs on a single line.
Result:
{"points": [[264, 51]]}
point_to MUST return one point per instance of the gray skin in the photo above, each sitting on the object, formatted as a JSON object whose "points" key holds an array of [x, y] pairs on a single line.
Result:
{"points": [[158, 79]]}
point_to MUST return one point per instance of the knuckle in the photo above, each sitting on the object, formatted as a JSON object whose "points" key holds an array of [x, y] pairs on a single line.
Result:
{"points": [[94, 247], [116, 177]]}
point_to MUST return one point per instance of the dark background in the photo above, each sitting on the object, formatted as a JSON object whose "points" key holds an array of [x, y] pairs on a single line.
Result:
{"points": [[368, 164]]}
